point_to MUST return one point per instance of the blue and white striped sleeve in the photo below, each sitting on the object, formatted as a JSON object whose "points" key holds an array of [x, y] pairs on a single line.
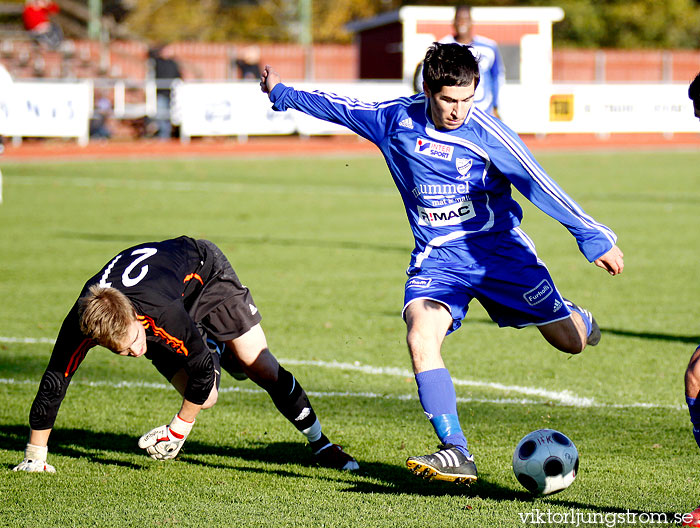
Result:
{"points": [[510, 155], [365, 119]]}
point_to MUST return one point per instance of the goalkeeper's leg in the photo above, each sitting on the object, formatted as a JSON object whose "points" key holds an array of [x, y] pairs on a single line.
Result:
{"points": [[288, 396]]}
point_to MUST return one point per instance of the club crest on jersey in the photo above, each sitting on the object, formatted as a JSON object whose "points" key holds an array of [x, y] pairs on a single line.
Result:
{"points": [[434, 149], [539, 293], [463, 165]]}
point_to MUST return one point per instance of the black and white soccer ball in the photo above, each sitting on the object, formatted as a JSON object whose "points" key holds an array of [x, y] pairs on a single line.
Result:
{"points": [[545, 462]]}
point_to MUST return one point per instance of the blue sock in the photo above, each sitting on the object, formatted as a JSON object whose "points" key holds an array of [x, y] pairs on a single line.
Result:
{"points": [[436, 393], [586, 318], [694, 417]]}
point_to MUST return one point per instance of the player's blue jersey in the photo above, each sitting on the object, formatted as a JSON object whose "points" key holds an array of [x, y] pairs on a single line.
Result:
{"points": [[456, 184], [492, 74]]}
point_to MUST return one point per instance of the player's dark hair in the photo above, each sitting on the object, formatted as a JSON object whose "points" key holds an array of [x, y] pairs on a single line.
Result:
{"points": [[694, 90], [463, 7], [449, 65], [105, 315]]}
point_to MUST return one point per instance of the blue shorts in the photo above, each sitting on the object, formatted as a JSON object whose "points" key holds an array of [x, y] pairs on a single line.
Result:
{"points": [[500, 270]]}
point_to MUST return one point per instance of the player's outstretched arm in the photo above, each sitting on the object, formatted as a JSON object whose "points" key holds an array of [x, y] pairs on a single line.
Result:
{"points": [[269, 78], [35, 453], [612, 261]]}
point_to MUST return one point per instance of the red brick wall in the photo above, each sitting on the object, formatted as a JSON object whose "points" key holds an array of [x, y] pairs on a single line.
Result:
{"points": [[382, 59], [624, 65]]}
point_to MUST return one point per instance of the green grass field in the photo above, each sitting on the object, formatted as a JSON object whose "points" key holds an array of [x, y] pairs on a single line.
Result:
{"points": [[323, 245]]}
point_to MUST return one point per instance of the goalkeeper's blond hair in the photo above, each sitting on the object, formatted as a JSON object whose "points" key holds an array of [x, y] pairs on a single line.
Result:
{"points": [[105, 315]]}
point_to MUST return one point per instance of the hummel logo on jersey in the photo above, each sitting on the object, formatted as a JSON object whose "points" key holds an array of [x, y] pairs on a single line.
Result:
{"points": [[433, 149], [406, 123], [253, 309]]}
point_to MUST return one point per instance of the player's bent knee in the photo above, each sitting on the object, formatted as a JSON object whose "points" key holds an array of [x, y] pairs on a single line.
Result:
{"points": [[212, 399]]}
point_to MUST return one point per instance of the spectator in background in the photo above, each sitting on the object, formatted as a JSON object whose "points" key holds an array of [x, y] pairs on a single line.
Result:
{"points": [[37, 21], [491, 69], [248, 63], [99, 123], [165, 70]]}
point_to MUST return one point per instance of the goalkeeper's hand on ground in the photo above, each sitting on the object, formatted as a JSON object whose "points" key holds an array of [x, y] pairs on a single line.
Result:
{"points": [[164, 442], [35, 460]]}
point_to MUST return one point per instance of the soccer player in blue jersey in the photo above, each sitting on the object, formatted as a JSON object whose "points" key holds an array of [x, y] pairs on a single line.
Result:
{"points": [[692, 373], [492, 74], [454, 166]]}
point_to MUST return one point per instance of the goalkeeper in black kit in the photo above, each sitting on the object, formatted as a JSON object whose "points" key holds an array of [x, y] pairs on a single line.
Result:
{"points": [[180, 304]]}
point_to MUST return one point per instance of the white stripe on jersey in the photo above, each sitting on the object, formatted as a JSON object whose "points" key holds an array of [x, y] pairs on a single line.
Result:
{"points": [[543, 180], [356, 104], [529, 243]]}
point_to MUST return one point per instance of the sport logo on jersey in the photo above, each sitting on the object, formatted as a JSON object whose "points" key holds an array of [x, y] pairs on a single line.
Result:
{"points": [[433, 149], [452, 214], [539, 293], [419, 282]]}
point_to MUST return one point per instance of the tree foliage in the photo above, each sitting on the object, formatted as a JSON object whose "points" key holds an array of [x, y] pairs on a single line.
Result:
{"points": [[587, 23], [629, 24], [261, 21]]}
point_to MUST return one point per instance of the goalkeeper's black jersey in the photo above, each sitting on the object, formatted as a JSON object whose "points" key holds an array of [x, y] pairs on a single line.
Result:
{"points": [[163, 280]]}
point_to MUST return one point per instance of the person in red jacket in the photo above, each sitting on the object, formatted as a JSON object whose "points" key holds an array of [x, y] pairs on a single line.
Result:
{"points": [[37, 20]]}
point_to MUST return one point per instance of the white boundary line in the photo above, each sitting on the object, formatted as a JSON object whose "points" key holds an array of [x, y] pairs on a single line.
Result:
{"points": [[563, 398]]}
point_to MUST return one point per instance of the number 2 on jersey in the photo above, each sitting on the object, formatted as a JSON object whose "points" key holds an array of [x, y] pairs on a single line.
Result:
{"points": [[127, 279]]}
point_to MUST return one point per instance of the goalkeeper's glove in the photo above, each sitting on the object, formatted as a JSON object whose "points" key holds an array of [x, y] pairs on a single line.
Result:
{"points": [[35, 460], [164, 442]]}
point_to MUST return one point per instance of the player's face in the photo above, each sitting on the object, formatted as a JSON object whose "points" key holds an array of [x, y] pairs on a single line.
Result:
{"points": [[463, 23], [450, 105], [134, 344]]}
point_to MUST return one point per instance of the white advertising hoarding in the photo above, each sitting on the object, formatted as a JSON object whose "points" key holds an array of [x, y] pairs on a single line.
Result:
{"points": [[598, 108], [46, 109], [241, 109], [228, 109], [38, 109]]}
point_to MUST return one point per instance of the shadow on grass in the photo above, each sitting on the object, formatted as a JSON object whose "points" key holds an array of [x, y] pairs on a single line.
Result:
{"points": [[693, 340], [389, 479], [75, 443], [372, 478], [258, 240]]}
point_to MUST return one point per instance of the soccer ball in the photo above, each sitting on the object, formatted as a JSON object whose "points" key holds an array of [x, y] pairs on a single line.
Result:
{"points": [[545, 462]]}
